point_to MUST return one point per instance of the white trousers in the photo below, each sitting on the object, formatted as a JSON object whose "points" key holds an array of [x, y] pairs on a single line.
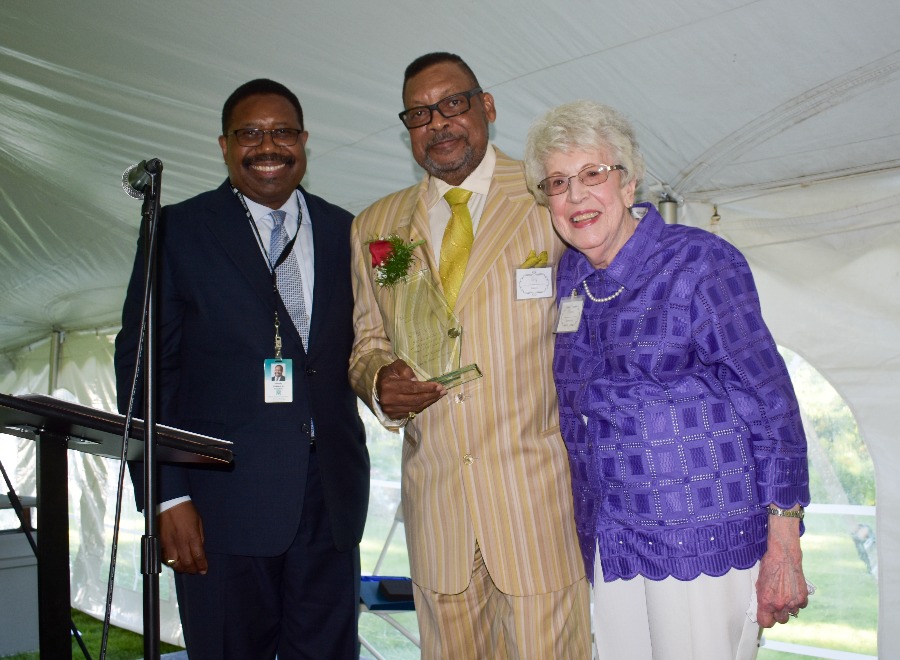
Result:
{"points": [[708, 618]]}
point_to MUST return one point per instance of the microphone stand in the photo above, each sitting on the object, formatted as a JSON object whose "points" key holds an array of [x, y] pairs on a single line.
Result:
{"points": [[150, 549]]}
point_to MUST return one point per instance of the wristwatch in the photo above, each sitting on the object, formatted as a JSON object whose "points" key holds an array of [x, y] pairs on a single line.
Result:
{"points": [[785, 513]]}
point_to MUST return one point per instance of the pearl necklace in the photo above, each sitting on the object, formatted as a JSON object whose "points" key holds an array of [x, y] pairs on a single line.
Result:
{"points": [[596, 299]]}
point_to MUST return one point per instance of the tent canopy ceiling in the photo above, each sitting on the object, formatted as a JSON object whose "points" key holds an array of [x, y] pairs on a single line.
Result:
{"points": [[732, 99]]}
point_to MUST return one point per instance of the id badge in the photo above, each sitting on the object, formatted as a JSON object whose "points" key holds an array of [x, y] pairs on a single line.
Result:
{"points": [[570, 309], [278, 380], [534, 283]]}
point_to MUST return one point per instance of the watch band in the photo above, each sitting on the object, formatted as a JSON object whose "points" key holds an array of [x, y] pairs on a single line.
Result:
{"points": [[785, 513]]}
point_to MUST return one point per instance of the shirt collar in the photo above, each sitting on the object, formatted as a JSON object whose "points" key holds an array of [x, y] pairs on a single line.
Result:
{"points": [[291, 207]]}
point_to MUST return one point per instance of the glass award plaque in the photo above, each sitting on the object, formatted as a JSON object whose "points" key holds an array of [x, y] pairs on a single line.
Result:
{"points": [[427, 334]]}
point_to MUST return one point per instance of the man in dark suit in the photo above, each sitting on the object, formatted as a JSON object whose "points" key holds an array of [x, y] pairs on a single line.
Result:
{"points": [[266, 551]]}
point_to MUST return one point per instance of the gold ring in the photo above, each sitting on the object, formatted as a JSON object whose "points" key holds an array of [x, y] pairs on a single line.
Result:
{"points": [[411, 415], [171, 562]]}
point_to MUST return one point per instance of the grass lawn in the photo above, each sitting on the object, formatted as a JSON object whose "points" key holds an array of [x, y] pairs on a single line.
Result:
{"points": [[121, 645]]}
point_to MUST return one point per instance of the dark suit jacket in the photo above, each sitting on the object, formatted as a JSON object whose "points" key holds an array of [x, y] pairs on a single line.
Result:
{"points": [[216, 327]]}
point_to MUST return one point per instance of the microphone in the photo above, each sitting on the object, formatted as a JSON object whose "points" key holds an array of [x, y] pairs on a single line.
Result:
{"points": [[137, 177]]}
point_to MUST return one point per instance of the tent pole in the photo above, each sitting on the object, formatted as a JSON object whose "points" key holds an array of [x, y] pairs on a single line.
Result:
{"points": [[57, 337], [668, 209]]}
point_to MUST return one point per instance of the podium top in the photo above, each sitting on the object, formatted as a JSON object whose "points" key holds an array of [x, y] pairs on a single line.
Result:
{"points": [[100, 432]]}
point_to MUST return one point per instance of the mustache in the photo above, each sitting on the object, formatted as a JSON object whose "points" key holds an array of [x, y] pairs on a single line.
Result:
{"points": [[441, 137], [268, 158]]}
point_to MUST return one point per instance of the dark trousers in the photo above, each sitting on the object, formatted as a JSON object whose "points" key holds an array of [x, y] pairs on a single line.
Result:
{"points": [[302, 604]]}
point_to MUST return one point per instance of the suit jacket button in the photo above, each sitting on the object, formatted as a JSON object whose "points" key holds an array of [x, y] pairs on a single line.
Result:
{"points": [[310, 372], [305, 429]]}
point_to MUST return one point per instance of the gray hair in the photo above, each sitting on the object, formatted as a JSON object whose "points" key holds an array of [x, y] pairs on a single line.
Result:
{"points": [[581, 126]]}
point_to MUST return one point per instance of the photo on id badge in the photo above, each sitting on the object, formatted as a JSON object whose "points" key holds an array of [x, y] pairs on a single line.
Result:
{"points": [[278, 381]]}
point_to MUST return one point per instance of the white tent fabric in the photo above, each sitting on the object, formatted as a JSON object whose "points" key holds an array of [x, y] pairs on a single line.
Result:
{"points": [[781, 114], [829, 286], [85, 376]]}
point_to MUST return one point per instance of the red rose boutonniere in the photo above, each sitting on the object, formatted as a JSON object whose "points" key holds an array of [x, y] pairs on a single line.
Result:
{"points": [[391, 258]]}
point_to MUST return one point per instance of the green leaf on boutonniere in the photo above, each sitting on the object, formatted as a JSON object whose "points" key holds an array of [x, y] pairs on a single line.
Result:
{"points": [[391, 258]]}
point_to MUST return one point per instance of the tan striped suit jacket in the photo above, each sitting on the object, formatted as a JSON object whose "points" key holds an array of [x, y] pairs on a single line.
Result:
{"points": [[514, 498]]}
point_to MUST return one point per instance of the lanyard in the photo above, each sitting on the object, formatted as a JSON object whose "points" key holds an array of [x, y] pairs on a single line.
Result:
{"points": [[273, 267], [290, 244]]}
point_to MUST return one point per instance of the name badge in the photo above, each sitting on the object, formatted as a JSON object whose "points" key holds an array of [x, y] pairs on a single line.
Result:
{"points": [[278, 380], [534, 283], [570, 309]]}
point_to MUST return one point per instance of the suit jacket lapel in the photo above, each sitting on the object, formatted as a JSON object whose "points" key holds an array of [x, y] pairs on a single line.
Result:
{"points": [[229, 225], [324, 242], [505, 210], [415, 226], [227, 222]]}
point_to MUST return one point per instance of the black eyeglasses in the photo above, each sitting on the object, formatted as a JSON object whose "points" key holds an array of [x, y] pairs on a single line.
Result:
{"points": [[253, 137], [451, 106], [592, 175]]}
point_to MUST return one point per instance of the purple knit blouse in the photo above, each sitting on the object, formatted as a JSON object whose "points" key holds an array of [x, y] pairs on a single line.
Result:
{"points": [[677, 411]]}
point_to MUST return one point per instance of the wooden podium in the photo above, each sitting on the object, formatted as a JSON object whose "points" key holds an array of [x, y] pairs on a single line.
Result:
{"points": [[58, 426]]}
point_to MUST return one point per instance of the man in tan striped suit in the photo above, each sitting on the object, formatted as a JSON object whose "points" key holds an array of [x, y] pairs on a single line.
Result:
{"points": [[486, 496]]}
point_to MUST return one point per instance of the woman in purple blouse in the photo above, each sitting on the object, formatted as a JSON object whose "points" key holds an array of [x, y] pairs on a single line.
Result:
{"points": [[687, 453]]}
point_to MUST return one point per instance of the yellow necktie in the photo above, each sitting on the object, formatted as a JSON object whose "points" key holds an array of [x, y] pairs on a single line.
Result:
{"points": [[457, 243]]}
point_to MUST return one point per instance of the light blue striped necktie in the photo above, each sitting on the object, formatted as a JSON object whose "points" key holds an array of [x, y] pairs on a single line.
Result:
{"points": [[288, 278]]}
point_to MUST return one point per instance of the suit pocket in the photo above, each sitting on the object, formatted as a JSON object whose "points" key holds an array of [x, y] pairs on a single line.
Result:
{"points": [[552, 431]]}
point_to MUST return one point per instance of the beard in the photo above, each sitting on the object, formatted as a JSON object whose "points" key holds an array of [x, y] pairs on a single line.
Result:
{"points": [[455, 170]]}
